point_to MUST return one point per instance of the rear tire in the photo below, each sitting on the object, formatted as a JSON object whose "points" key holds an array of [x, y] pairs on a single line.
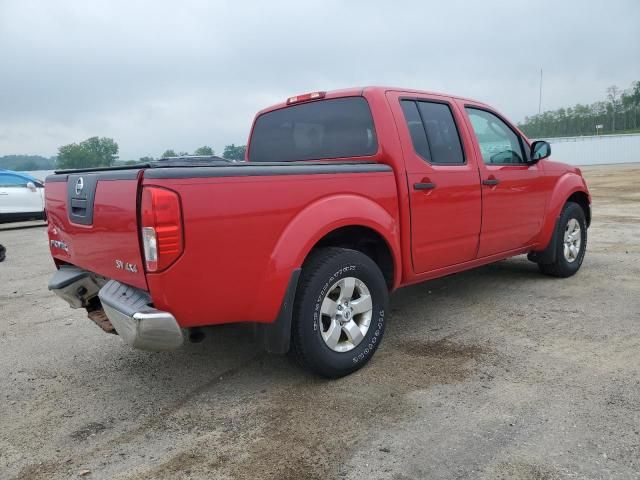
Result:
{"points": [[339, 312], [571, 242]]}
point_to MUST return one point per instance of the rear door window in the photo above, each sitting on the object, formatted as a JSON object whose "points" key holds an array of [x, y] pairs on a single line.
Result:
{"points": [[433, 132], [335, 128], [416, 128]]}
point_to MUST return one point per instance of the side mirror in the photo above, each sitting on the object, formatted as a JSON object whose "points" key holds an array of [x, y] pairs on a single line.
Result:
{"points": [[539, 150], [32, 186]]}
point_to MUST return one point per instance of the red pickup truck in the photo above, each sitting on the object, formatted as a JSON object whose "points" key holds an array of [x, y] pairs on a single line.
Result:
{"points": [[344, 197]]}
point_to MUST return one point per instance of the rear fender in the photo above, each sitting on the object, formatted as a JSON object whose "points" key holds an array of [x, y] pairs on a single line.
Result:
{"points": [[314, 222]]}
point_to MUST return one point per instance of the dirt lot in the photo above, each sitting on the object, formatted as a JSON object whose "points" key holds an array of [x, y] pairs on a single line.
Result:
{"points": [[494, 373]]}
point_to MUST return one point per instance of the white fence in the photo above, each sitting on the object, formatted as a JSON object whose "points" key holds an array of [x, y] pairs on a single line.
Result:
{"points": [[595, 150]]}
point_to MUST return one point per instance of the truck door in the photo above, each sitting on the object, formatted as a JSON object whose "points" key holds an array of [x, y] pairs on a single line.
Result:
{"points": [[444, 187], [514, 192]]}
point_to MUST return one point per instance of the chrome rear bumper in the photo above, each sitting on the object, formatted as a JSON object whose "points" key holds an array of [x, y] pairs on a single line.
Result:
{"points": [[127, 308], [139, 325], [75, 286]]}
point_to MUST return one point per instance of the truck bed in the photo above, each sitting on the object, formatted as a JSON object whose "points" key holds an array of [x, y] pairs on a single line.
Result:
{"points": [[233, 213]]}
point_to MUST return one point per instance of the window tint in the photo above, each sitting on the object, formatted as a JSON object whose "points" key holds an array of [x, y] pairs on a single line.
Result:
{"points": [[526, 148], [498, 143], [12, 181], [341, 127], [433, 132], [414, 122]]}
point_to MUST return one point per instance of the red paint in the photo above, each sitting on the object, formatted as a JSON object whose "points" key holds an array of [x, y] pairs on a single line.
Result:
{"points": [[243, 236], [242, 243], [113, 235]]}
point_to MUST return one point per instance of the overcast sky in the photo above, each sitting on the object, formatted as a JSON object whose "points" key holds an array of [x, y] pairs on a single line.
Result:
{"points": [[181, 74]]}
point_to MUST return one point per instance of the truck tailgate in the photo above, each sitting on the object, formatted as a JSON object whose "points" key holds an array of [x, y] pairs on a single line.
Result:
{"points": [[93, 223]]}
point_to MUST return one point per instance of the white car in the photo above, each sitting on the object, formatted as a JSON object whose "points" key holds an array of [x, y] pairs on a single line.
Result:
{"points": [[21, 197]]}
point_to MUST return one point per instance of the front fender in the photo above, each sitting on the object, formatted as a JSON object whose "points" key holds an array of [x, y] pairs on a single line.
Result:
{"points": [[567, 185], [318, 219]]}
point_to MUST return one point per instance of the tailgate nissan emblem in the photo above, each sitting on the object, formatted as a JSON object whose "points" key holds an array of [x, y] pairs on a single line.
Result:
{"points": [[79, 185]]}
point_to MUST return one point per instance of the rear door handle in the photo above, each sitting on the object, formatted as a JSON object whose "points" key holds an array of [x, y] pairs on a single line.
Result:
{"points": [[491, 181], [424, 186]]}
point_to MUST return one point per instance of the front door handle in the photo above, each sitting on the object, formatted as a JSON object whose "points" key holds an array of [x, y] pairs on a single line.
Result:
{"points": [[424, 186], [491, 181]]}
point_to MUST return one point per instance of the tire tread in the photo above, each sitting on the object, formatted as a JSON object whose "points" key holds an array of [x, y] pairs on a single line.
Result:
{"points": [[316, 260], [312, 273], [559, 268]]}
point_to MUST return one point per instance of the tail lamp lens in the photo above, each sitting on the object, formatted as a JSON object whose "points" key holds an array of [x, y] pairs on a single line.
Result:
{"points": [[162, 236]]}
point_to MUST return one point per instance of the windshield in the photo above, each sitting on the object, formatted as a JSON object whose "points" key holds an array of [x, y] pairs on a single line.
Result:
{"points": [[341, 127]]}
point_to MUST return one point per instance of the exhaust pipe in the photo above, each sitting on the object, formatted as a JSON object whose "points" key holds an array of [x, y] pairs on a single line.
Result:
{"points": [[196, 335]]}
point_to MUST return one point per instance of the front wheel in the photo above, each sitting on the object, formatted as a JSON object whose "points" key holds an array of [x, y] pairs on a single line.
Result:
{"points": [[339, 312], [571, 242]]}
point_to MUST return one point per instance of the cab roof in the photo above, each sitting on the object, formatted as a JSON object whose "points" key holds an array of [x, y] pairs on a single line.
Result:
{"points": [[360, 91]]}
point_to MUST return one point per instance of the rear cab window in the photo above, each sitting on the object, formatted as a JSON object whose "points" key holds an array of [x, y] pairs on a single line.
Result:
{"points": [[333, 128]]}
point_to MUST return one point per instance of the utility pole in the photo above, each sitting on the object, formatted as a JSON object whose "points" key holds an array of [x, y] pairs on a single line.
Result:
{"points": [[540, 98]]}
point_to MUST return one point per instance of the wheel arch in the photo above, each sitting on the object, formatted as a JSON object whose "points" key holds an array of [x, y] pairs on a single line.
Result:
{"points": [[569, 187], [365, 240], [347, 220], [368, 228], [582, 198]]}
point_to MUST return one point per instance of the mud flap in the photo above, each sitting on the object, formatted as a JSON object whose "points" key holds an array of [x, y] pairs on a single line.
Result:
{"points": [[276, 336], [548, 255]]}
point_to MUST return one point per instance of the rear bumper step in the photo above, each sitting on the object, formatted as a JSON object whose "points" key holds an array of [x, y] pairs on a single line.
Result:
{"points": [[139, 325], [75, 286], [127, 308]]}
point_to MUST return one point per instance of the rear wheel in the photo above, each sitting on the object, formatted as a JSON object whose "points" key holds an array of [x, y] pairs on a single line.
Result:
{"points": [[571, 242], [339, 312]]}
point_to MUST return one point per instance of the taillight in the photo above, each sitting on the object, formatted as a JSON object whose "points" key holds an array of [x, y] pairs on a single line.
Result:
{"points": [[161, 229]]}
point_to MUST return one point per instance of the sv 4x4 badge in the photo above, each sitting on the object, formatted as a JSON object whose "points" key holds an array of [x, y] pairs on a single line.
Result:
{"points": [[128, 267]]}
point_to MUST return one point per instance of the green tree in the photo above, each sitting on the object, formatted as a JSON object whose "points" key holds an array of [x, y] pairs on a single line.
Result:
{"points": [[613, 94], [146, 159], [92, 152], [620, 111], [72, 156], [204, 151], [233, 152], [27, 162], [28, 165], [168, 153], [635, 92]]}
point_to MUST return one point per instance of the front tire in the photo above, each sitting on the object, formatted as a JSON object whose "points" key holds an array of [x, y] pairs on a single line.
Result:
{"points": [[571, 242], [339, 312]]}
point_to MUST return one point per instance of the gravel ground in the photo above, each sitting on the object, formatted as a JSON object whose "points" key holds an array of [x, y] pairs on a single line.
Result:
{"points": [[498, 372]]}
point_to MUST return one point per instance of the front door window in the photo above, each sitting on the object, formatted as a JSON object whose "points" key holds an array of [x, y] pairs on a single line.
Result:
{"points": [[499, 144]]}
